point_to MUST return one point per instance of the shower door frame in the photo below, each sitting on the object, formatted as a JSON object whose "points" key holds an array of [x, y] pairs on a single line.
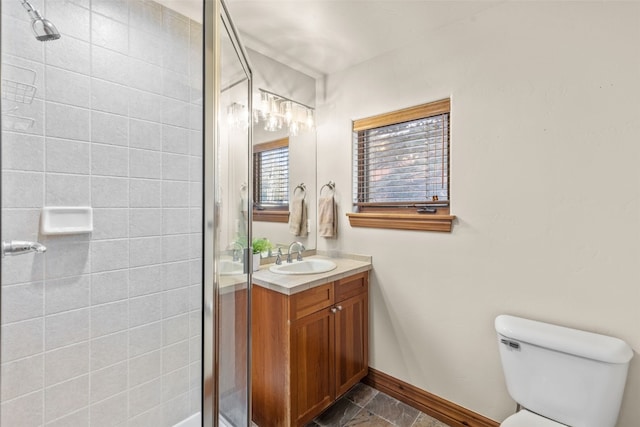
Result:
{"points": [[216, 18]]}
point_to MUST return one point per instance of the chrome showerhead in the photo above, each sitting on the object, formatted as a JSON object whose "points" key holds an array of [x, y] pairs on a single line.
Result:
{"points": [[42, 28]]}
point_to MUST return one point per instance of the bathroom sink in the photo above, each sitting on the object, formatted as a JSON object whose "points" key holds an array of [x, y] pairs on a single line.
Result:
{"points": [[230, 268], [307, 266]]}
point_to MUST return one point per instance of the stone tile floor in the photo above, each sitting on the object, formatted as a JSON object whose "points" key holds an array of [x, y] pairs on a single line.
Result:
{"points": [[366, 406]]}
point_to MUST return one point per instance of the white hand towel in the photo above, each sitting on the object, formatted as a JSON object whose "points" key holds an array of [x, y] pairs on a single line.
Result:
{"points": [[327, 217], [298, 218]]}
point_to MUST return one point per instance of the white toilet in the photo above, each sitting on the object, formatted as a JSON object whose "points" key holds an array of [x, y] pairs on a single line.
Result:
{"points": [[561, 376]]}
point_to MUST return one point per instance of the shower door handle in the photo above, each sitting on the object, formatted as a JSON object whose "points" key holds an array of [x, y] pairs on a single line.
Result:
{"points": [[20, 247]]}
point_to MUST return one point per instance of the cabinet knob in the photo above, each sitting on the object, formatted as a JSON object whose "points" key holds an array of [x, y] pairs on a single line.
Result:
{"points": [[339, 308], [334, 310]]}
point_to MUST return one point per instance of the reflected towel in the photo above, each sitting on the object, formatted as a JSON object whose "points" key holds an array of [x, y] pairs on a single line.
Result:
{"points": [[298, 218], [327, 217]]}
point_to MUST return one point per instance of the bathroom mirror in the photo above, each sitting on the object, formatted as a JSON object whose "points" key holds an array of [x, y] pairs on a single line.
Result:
{"points": [[279, 79]]}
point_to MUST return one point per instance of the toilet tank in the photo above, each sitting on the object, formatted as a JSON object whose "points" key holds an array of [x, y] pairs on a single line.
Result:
{"points": [[573, 377]]}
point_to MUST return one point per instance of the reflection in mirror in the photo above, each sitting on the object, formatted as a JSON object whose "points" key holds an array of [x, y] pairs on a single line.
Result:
{"points": [[273, 80]]}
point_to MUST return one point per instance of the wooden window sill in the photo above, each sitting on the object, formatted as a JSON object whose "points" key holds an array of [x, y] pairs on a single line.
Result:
{"points": [[271, 216], [418, 222]]}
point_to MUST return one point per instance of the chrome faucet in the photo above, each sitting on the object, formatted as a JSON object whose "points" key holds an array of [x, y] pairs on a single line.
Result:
{"points": [[19, 247], [279, 257], [236, 251], [300, 249]]}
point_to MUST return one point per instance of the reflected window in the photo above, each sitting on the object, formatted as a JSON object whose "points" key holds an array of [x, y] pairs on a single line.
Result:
{"points": [[271, 181]]}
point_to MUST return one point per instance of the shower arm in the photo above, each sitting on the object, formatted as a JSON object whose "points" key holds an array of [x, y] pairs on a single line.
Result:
{"points": [[33, 13]]}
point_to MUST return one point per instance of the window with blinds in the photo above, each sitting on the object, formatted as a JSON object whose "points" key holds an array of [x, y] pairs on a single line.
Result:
{"points": [[401, 160], [271, 175]]}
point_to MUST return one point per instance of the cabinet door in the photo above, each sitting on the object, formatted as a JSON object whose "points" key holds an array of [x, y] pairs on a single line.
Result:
{"points": [[352, 336], [312, 365]]}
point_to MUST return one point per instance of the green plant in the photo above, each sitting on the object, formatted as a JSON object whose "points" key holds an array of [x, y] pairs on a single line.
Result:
{"points": [[261, 244]]}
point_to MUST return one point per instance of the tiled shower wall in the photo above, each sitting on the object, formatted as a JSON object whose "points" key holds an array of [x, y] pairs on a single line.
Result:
{"points": [[104, 329]]}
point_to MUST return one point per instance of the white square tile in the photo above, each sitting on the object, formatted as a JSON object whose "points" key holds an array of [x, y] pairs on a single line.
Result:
{"points": [[195, 169], [195, 297], [25, 411], [144, 105], [175, 329], [21, 339], [109, 192], [67, 87], [109, 349], [109, 33], [145, 164], [146, 280], [145, 338], [109, 160], [176, 409], [65, 363], [175, 112], [109, 128], [66, 258], [110, 412], [114, 9], [110, 223], [67, 156], [145, 368], [175, 140], [144, 397], [67, 190], [195, 323], [75, 419], [66, 397], [173, 248], [175, 194], [195, 348], [109, 255], [109, 97], [176, 85], [65, 121], [175, 221], [70, 54], [175, 275], [109, 381], [145, 222], [22, 189], [66, 294], [145, 76], [110, 65], [109, 286], [175, 356], [175, 167], [175, 383], [22, 152], [145, 251], [21, 377], [145, 134], [145, 193], [109, 318], [145, 309], [66, 328], [145, 46], [22, 302], [22, 269]]}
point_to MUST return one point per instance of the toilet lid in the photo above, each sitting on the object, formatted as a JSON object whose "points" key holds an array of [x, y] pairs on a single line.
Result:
{"points": [[525, 418]]}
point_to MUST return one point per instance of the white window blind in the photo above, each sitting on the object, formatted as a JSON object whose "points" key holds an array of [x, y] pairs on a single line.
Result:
{"points": [[271, 175], [402, 164]]}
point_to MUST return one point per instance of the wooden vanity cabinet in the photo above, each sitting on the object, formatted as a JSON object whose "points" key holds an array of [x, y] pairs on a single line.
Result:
{"points": [[307, 349]]}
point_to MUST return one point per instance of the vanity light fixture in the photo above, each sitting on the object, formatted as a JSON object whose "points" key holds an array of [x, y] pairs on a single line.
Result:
{"points": [[277, 111]]}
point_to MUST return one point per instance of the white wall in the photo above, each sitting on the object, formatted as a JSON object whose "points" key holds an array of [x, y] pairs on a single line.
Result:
{"points": [[545, 123]]}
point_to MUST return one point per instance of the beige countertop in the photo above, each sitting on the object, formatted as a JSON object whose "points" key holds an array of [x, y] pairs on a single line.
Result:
{"points": [[289, 284]]}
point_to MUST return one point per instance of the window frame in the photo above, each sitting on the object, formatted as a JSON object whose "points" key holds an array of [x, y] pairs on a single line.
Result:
{"points": [[396, 215], [270, 213]]}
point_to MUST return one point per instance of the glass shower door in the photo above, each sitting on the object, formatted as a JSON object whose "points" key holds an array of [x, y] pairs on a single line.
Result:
{"points": [[228, 280]]}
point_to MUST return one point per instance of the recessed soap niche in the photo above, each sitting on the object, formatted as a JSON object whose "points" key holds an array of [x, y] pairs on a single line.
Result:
{"points": [[66, 220]]}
